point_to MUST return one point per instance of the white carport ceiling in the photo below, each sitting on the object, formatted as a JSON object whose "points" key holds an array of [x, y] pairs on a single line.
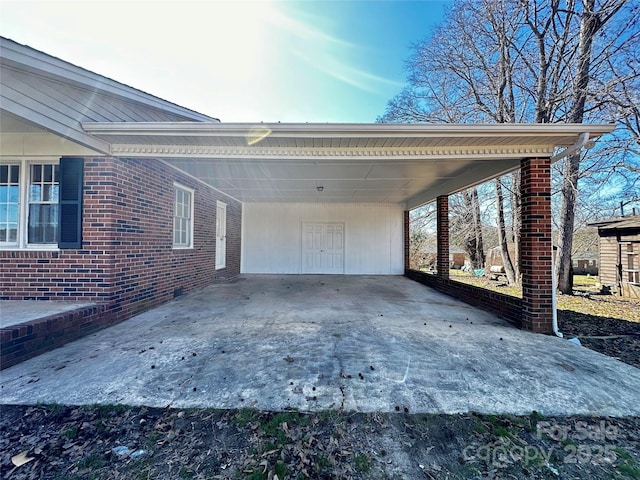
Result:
{"points": [[401, 163]]}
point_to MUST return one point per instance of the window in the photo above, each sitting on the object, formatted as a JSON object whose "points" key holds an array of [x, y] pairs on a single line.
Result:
{"points": [[9, 203], [29, 194], [183, 217], [43, 204]]}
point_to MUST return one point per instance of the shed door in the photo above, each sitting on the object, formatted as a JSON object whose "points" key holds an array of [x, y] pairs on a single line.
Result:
{"points": [[323, 248]]}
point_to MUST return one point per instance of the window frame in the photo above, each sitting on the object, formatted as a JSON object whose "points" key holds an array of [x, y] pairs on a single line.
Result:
{"points": [[178, 187], [42, 184], [24, 185], [18, 202]]}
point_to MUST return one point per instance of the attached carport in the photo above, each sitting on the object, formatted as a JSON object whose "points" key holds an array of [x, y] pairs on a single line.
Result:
{"points": [[330, 342], [335, 198]]}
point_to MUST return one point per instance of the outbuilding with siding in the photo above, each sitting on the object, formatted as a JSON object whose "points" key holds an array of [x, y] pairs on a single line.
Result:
{"points": [[619, 255]]}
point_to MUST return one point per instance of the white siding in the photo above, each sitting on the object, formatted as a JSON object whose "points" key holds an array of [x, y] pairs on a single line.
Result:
{"points": [[272, 236]]}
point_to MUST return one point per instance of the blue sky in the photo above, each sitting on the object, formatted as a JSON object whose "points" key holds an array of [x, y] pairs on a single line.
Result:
{"points": [[240, 61]]}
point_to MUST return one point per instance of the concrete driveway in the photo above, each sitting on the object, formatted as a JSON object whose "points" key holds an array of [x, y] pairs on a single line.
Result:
{"points": [[366, 343]]}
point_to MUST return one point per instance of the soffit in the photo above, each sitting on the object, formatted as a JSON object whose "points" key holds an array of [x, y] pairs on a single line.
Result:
{"points": [[408, 164]]}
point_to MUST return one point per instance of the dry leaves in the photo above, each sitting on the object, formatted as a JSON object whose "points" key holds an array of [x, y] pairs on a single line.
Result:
{"points": [[21, 458], [74, 442]]}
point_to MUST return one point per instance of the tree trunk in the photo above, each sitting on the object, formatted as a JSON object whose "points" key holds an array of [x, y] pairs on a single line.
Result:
{"points": [[589, 25], [477, 227], [567, 217], [516, 222], [473, 242], [502, 237]]}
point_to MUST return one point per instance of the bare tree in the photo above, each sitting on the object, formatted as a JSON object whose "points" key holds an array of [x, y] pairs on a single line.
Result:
{"points": [[421, 226], [534, 61], [465, 225], [593, 20], [502, 239], [473, 242], [455, 81]]}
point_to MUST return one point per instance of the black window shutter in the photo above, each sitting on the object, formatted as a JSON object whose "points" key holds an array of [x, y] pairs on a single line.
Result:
{"points": [[70, 202]]}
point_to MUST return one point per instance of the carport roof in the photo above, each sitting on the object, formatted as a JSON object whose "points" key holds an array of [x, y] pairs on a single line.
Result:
{"points": [[410, 164], [49, 106]]}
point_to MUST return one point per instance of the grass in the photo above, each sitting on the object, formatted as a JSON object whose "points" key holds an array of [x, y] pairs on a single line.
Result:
{"points": [[608, 306], [261, 452], [92, 462], [107, 410], [323, 462], [484, 282], [581, 282], [54, 408], [628, 466], [499, 426], [184, 473], [362, 463], [273, 427], [273, 437], [245, 416], [280, 469], [71, 433]]}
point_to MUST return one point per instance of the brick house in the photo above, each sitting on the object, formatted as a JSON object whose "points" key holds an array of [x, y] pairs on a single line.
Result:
{"points": [[114, 196]]}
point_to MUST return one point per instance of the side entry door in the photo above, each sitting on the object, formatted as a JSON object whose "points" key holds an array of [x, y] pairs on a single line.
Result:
{"points": [[221, 235]]}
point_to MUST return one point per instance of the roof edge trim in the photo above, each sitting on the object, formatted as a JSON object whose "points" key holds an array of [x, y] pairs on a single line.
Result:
{"points": [[346, 129]]}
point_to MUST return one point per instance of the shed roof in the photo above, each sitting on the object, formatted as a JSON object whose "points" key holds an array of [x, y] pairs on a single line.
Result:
{"points": [[623, 223]]}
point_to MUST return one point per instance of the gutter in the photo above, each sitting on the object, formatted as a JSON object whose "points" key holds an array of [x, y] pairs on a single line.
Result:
{"points": [[583, 141]]}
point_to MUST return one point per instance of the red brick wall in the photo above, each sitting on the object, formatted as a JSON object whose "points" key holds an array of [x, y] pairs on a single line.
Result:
{"points": [[442, 220], [127, 259], [535, 248], [505, 306], [407, 240]]}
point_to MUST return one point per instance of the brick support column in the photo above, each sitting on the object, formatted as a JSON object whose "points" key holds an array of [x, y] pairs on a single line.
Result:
{"points": [[442, 212], [537, 274], [407, 240]]}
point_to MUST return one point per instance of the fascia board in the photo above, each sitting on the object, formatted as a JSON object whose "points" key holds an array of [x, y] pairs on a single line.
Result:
{"points": [[351, 130]]}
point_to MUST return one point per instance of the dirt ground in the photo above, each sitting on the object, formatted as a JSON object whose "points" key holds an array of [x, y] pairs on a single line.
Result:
{"points": [[119, 442], [608, 324], [611, 336]]}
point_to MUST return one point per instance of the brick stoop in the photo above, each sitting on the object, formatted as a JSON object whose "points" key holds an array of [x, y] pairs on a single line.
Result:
{"points": [[34, 337]]}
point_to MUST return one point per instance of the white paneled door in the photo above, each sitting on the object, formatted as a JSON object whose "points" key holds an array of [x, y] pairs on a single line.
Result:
{"points": [[322, 247], [221, 236]]}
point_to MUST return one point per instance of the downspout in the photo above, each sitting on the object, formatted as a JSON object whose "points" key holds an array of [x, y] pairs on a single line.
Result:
{"points": [[583, 139], [554, 300]]}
